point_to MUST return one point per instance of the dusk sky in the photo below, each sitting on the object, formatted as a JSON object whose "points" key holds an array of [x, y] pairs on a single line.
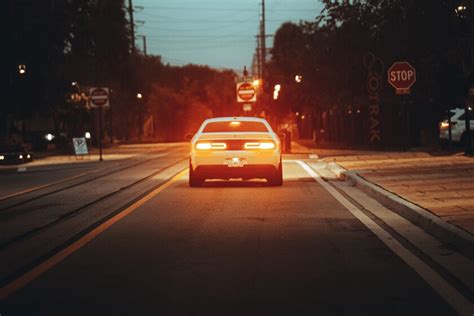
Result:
{"points": [[217, 33]]}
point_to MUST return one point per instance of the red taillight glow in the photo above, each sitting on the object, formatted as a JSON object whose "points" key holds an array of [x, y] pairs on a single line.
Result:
{"points": [[209, 145], [259, 145]]}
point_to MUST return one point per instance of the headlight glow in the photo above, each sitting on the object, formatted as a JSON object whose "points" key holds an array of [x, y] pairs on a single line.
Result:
{"points": [[2, 157], [21, 156]]}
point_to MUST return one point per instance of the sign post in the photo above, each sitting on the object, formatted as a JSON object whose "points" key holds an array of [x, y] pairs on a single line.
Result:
{"points": [[402, 76], [99, 98]]}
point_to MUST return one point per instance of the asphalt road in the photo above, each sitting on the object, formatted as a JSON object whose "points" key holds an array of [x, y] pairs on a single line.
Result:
{"points": [[228, 248]]}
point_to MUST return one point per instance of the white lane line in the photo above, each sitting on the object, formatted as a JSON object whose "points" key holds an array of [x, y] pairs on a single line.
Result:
{"points": [[462, 305]]}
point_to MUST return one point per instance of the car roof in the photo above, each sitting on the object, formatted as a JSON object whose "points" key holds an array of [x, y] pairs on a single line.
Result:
{"points": [[236, 118]]}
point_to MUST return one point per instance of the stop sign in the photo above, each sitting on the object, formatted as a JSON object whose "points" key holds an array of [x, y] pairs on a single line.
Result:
{"points": [[99, 97], [402, 76], [246, 92]]}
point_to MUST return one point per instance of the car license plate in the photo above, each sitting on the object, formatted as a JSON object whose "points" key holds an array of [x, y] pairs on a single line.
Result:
{"points": [[235, 163]]}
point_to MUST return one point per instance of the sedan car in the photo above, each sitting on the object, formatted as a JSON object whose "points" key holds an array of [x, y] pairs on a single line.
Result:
{"points": [[457, 122], [14, 154], [235, 147]]}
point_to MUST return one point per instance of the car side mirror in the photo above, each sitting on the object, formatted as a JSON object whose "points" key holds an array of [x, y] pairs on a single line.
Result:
{"points": [[188, 136]]}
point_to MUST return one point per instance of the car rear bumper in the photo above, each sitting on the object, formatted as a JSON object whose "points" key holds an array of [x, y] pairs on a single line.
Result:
{"points": [[250, 157], [245, 172]]}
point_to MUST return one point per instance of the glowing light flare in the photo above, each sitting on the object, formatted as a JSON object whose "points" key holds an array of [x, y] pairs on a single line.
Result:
{"points": [[49, 137], [2, 157], [298, 78], [87, 135], [444, 125], [277, 87], [21, 69], [234, 123]]}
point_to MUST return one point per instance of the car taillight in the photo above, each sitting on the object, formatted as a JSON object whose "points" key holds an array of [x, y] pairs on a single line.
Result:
{"points": [[260, 145], [210, 145], [445, 125]]}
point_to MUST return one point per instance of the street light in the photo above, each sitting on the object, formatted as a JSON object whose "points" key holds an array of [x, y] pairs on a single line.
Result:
{"points": [[298, 78], [21, 69], [461, 10], [276, 91], [139, 96]]}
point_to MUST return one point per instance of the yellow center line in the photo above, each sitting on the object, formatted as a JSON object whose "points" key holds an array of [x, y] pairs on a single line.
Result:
{"points": [[37, 271], [50, 184]]}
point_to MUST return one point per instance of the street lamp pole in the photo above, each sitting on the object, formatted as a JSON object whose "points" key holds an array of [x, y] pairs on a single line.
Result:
{"points": [[465, 15]]}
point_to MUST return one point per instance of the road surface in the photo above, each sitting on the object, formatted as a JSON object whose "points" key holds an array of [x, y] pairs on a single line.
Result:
{"points": [[130, 237]]}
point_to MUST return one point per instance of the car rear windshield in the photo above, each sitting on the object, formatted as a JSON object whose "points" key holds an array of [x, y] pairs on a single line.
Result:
{"points": [[234, 126]]}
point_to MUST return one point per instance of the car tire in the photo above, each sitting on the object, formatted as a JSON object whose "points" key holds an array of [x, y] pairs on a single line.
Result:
{"points": [[277, 178], [194, 180]]}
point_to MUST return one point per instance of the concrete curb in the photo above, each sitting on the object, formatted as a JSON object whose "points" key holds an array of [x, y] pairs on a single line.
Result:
{"points": [[340, 172], [414, 213]]}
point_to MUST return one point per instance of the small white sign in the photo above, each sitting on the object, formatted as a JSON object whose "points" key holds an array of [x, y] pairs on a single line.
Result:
{"points": [[244, 79], [80, 146]]}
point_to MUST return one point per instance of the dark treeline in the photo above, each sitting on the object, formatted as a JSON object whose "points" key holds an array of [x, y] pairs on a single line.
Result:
{"points": [[68, 46], [352, 42]]}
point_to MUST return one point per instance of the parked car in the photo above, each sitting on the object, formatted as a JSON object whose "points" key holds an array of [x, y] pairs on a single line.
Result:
{"points": [[14, 154], [458, 127]]}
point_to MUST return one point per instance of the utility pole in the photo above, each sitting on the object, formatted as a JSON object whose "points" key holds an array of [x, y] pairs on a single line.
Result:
{"points": [[144, 43], [132, 25], [263, 49], [259, 58]]}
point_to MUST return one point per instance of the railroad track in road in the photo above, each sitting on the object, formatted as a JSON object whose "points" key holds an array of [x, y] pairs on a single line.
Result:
{"points": [[71, 213], [75, 211], [49, 185], [136, 190]]}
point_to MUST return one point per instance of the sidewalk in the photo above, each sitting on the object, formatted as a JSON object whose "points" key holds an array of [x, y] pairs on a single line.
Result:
{"points": [[443, 185], [116, 152]]}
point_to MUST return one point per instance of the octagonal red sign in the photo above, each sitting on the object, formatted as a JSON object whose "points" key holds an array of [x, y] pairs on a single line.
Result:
{"points": [[402, 75]]}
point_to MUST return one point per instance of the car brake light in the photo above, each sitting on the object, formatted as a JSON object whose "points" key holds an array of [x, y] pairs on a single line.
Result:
{"points": [[259, 145], [208, 145], [445, 125]]}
